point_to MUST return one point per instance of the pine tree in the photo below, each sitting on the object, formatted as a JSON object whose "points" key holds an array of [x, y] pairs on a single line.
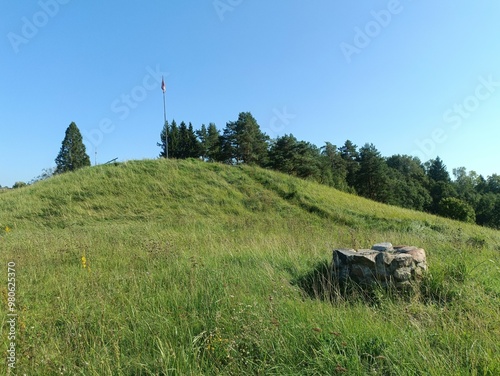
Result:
{"points": [[214, 140], [349, 153], [298, 158], [336, 164], [72, 155], [173, 137], [188, 145], [437, 170], [162, 144], [244, 142], [194, 146], [440, 186], [202, 134], [371, 179], [282, 154], [182, 151]]}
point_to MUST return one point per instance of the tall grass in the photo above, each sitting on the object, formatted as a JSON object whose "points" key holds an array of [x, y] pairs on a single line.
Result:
{"points": [[205, 269]]}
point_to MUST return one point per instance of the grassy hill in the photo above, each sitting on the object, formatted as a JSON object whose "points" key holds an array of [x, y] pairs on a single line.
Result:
{"points": [[194, 268]]}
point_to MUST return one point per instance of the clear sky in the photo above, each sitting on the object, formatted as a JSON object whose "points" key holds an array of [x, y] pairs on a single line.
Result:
{"points": [[411, 76]]}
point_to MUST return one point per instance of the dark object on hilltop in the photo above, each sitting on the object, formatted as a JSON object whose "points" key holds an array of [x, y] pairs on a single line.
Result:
{"points": [[72, 155], [382, 265]]}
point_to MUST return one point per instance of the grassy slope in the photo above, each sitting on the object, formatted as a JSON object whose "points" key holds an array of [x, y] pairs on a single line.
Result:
{"points": [[204, 269]]}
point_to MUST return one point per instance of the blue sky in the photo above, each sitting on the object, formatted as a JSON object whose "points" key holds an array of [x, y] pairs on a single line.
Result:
{"points": [[411, 76]]}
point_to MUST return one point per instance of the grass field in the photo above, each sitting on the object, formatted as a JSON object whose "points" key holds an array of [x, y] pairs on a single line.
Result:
{"points": [[191, 268]]}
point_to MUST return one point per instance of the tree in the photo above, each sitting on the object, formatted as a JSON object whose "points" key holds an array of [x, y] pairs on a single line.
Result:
{"points": [[202, 134], [455, 208], [72, 155], [409, 183], [173, 139], [282, 153], [371, 179], [465, 185], [350, 155], [437, 170], [439, 191], [485, 209], [46, 173], [337, 165], [244, 142], [298, 158], [440, 186], [162, 144], [188, 145], [494, 183], [210, 143], [213, 143], [19, 184]]}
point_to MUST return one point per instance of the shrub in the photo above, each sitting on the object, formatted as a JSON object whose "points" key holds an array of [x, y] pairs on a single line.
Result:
{"points": [[19, 184], [455, 208]]}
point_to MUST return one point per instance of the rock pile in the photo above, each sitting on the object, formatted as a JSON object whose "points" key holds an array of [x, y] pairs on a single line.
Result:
{"points": [[382, 264]]}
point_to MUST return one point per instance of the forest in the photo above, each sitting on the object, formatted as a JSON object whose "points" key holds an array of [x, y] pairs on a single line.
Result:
{"points": [[400, 180]]}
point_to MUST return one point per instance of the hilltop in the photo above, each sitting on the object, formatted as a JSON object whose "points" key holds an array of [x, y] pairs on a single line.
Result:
{"points": [[160, 267]]}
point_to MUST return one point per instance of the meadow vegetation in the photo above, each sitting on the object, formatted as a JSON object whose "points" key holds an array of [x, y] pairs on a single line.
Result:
{"points": [[181, 267]]}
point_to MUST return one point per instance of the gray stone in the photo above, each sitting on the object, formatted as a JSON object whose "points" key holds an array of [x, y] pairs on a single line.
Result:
{"points": [[402, 274], [386, 246], [401, 261], [386, 264]]}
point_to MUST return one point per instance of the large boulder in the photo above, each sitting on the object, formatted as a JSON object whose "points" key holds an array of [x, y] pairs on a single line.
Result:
{"points": [[382, 264]]}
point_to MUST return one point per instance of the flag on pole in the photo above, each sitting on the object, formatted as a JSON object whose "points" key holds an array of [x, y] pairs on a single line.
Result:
{"points": [[163, 87]]}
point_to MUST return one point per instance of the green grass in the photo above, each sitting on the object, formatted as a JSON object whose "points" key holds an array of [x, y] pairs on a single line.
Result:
{"points": [[205, 269]]}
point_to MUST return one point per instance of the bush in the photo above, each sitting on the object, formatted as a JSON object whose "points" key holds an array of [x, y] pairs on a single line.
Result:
{"points": [[455, 208], [19, 184]]}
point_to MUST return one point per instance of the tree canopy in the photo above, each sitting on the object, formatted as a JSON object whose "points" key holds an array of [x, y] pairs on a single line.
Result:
{"points": [[72, 155], [400, 180]]}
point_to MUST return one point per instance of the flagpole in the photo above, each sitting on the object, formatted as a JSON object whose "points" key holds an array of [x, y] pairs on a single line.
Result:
{"points": [[165, 117]]}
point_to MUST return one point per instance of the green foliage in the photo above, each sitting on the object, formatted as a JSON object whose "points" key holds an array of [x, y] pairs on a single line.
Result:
{"points": [[19, 184], [244, 142], [197, 268], [455, 208], [297, 158], [72, 155], [350, 155], [213, 143], [439, 190], [399, 180], [182, 141], [485, 210], [436, 170], [210, 142], [165, 132], [371, 178], [46, 174], [408, 183], [336, 165], [188, 145], [465, 185], [493, 184]]}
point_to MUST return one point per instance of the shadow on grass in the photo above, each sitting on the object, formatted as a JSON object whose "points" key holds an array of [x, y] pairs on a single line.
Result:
{"points": [[318, 283], [321, 284]]}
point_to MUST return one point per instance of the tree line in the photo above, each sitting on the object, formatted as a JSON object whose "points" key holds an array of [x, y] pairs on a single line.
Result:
{"points": [[399, 180]]}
